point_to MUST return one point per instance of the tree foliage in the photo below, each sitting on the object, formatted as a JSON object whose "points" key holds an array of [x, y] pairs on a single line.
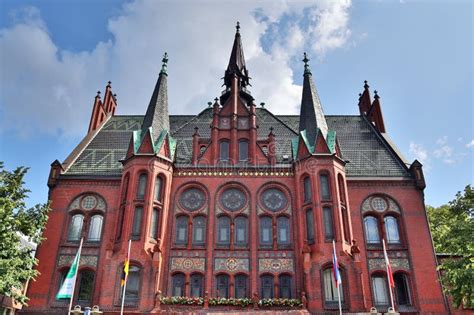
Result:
{"points": [[17, 261], [452, 228]]}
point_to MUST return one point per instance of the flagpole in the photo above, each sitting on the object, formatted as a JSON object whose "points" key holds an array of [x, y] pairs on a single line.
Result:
{"points": [[75, 276], [388, 275], [126, 276], [337, 284]]}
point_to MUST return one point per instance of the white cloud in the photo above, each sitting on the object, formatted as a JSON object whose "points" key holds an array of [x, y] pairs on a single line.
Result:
{"points": [[419, 152], [46, 89], [470, 144]]}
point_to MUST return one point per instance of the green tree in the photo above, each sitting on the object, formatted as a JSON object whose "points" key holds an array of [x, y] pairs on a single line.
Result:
{"points": [[17, 262], [452, 228]]}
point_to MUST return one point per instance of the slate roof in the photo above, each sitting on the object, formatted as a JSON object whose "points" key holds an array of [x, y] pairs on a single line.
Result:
{"points": [[369, 155]]}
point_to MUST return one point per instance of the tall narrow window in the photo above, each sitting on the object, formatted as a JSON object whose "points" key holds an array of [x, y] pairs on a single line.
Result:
{"points": [[243, 150], [266, 235], [266, 283], [241, 234], [222, 287], [141, 186], [391, 230], [309, 225], [241, 286], [342, 191], [133, 284], [328, 223], [197, 285], [158, 188], [324, 185], [61, 278], [75, 227], [379, 288], [199, 230], [330, 290], [307, 189], [95, 229], [86, 286], [154, 224], [224, 151], [345, 224], [137, 222], [371, 230], [283, 227], [402, 291], [223, 231], [178, 284], [181, 230], [285, 286]]}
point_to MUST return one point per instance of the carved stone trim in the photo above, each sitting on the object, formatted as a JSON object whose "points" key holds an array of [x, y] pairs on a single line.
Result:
{"points": [[191, 264], [275, 265], [231, 264], [66, 260]]}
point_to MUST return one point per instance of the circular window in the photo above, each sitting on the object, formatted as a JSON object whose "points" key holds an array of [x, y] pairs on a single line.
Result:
{"points": [[379, 204], [274, 199], [89, 202], [192, 199], [233, 199]]}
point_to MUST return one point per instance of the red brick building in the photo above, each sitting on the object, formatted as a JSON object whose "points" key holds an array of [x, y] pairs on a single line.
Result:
{"points": [[237, 202]]}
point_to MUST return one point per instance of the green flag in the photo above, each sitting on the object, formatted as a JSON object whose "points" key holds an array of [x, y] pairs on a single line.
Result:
{"points": [[67, 288]]}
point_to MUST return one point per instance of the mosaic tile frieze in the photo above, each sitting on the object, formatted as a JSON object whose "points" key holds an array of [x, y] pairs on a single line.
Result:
{"points": [[231, 264], [66, 260], [396, 263], [185, 263], [275, 265]]}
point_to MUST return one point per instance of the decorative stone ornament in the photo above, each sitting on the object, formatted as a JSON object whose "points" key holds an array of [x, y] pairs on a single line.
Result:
{"points": [[274, 199], [192, 199], [233, 199]]}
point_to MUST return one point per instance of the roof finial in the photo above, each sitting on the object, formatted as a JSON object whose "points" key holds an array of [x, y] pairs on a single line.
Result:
{"points": [[376, 96], [237, 27], [366, 85], [306, 65], [164, 67]]}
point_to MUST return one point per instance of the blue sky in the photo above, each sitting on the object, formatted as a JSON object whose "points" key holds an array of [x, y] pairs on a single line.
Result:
{"points": [[55, 55]]}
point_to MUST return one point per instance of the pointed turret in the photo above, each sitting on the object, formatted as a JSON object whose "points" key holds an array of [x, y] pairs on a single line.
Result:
{"points": [[237, 63], [311, 113], [375, 114], [157, 113], [364, 100]]}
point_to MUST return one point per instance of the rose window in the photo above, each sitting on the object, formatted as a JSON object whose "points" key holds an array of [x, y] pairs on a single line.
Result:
{"points": [[274, 199], [379, 204], [89, 202], [233, 199], [192, 199]]}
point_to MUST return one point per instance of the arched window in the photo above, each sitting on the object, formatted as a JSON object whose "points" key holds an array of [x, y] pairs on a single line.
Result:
{"points": [[285, 286], [75, 227], [243, 150], [266, 235], [380, 290], [309, 225], [86, 286], [178, 284], [199, 230], [197, 285], [391, 230], [328, 223], [222, 286], [307, 189], [224, 150], [133, 284], [181, 230], [402, 291], [266, 283], [95, 228], [324, 187], [223, 230], [137, 222], [241, 234], [141, 186], [154, 224], [331, 295], [372, 235], [283, 228], [158, 188], [241, 282]]}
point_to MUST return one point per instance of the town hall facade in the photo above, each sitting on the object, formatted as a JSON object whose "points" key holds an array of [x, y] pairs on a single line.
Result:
{"points": [[237, 203]]}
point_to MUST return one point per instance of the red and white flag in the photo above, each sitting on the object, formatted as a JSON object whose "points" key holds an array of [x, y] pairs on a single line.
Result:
{"points": [[389, 268]]}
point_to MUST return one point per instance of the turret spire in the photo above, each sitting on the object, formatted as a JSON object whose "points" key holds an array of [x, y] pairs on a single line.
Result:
{"points": [[311, 112], [157, 112], [237, 62]]}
